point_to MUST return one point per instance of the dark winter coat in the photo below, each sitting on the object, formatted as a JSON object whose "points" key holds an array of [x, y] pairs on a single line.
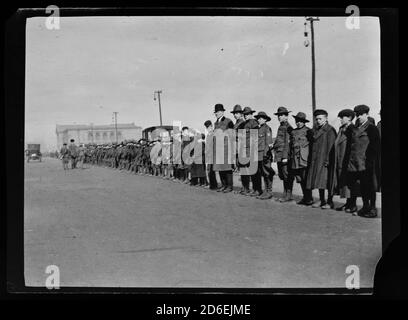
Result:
{"points": [[281, 144], [238, 127], [224, 124], [299, 147], [321, 157], [365, 152], [198, 165], [342, 148]]}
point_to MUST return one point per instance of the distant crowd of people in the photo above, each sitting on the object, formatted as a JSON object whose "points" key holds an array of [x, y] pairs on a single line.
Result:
{"points": [[344, 162]]}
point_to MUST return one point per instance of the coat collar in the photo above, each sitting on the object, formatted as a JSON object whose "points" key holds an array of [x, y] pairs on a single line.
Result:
{"points": [[343, 132], [364, 126], [251, 120], [361, 129], [319, 131], [304, 128], [284, 125], [341, 136]]}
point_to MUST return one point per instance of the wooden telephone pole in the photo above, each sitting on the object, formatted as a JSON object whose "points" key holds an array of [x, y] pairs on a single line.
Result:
{"points": [[158, 97], [311, 20], [116, 125]]}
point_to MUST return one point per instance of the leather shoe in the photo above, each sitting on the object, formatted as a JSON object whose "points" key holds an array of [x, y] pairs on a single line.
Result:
{"points": [[255, 194], [301, 202], [351, 209], [371, 213], [363, 211], [326, 206], [265, 195], [317, 204], [240, 191], [308, 202], [341, 208], [246, 192]]}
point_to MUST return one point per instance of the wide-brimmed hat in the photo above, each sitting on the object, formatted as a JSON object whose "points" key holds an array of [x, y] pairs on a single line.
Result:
{"points": [[248, 110], [282, 110], [218, 107], [237, 109], [300, 117], [262, 114]]}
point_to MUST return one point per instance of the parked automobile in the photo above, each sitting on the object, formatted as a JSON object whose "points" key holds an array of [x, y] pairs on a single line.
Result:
{"points": [[33, 152]]}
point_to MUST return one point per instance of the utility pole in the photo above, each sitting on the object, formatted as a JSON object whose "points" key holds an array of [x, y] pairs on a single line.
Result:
{"points": [[158, 97], [311, 20], [92, 132], [116, 126]]}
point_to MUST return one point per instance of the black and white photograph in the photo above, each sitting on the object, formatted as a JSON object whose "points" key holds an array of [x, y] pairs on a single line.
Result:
{"points": [[206, 151]]}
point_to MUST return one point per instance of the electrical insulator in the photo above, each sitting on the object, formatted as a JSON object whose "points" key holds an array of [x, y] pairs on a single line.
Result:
{"points": [[306, 43], [305, 32]]}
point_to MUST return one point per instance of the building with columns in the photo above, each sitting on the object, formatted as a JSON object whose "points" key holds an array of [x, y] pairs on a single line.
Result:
{"points": [[98, 134]]}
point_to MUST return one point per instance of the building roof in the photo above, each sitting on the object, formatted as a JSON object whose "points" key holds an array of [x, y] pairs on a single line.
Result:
{"points": [[63, 127]]}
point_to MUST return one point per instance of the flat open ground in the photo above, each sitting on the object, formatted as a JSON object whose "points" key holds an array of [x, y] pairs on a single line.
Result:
{"points": [[104, 227]]}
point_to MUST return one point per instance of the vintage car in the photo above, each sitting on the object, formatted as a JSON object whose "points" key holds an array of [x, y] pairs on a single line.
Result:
{"points": [[153, 133], [33, 152]]}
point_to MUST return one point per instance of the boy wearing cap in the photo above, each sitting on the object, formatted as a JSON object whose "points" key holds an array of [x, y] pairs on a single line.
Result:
{"points": [[250, 124], [281, 148], [176, 148], [299, 155], [321, 159], [81, 155], [342, 147], [184, 168], [264, 154], [363, 164], [65, 156], [212, 179], [166, 156], [73, 151], [239, 124], [198, 172], [224, 169]]}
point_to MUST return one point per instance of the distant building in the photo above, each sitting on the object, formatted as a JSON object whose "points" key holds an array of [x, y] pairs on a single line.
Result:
{"points": [[96, 133]]}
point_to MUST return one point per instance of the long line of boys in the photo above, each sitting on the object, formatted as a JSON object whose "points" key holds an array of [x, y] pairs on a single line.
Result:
{"points": [[345, 163]]}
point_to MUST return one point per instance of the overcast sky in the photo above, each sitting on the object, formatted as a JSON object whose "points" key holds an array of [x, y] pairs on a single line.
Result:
{"points": [[93, 66]]}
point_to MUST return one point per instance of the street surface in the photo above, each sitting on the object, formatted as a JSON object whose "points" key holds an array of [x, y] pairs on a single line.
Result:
{"points": [[111, 228]]}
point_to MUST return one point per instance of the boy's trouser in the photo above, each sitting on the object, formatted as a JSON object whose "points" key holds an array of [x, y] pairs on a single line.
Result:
{"points": [[285, 176], [212, 177]]}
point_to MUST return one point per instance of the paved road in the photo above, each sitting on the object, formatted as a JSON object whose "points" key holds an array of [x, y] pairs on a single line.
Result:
{"points": [[103, 227]]}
